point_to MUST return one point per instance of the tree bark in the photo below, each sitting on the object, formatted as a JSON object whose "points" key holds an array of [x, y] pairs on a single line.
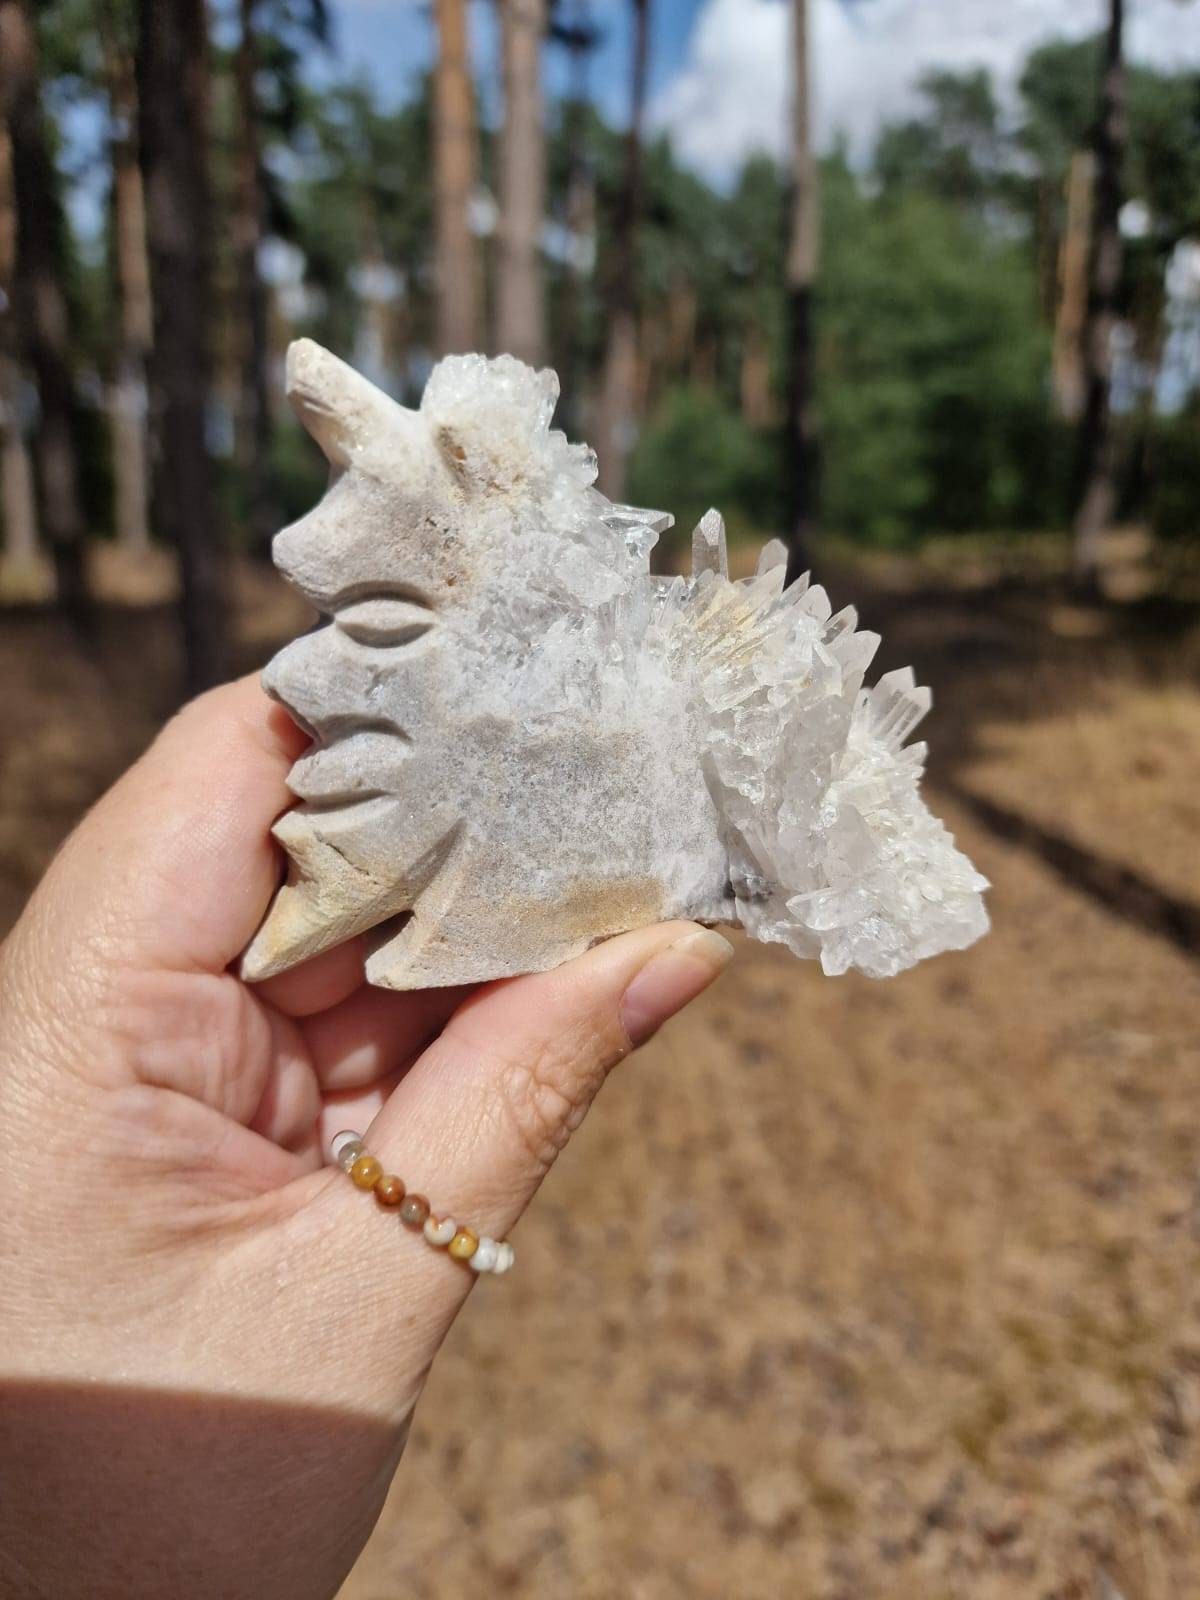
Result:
{"points": [[680, 313], [756, 378], [454, 161], [1070, 387], [16, 469], [172, 93], [520, 314], [803, 462], [1096, 465], [42, 310], [252, 431], [16, 475], [127, 395], [615, 421], [580, 40]]}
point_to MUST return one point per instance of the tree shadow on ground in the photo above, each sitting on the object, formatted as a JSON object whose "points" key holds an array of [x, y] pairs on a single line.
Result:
{"points": [[1016, 651], [995, 652]]}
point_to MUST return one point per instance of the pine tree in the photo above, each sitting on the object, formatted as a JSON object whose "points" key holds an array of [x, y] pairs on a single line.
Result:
{"points": [[173, 94], [1104, 275], [801, 439], [615, 422], [135, 317], [16, 468], [454, 183], [520, 316], [42, 307]]}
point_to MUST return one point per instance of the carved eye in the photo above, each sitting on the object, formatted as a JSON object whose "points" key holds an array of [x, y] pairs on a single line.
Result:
{"points": [[384, 621]]}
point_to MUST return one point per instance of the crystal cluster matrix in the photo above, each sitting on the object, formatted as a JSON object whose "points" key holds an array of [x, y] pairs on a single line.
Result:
{"points": [[523, 741]]}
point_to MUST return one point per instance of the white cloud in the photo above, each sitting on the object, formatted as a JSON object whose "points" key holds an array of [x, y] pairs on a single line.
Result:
{"points": [[730, 97]]}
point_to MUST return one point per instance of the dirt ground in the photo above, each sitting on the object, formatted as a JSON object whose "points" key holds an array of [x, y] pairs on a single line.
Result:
{"points": [[846, 1289]]}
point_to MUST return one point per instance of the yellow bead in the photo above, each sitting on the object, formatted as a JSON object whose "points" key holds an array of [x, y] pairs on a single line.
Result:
{"points": [[464, 1244], [366, 1172]]}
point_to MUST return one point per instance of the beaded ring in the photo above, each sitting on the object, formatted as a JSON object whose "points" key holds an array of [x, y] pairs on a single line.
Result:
{"points": [[476, 1250]]}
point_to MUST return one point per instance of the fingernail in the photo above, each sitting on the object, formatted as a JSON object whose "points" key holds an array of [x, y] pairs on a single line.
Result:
{"points": [[675, 976]]}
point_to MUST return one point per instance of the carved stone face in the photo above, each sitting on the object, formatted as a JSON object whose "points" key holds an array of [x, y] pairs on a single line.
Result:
{"points": [[524, 742], [476, 798]]}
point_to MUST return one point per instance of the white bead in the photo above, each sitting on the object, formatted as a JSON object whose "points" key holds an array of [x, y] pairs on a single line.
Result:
{"points": [[485, 1255], [505, 1256], [340, 1140], [440, 1233]]}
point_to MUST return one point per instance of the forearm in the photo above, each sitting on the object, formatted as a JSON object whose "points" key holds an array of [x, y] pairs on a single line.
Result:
{"points": [[111, 1493]]}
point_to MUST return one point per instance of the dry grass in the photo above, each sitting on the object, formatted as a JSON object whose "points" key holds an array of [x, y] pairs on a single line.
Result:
{"points": [[845, 1290]]}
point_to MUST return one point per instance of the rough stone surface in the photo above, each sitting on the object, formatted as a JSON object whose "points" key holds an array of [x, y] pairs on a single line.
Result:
{"points": [[524, 742]]}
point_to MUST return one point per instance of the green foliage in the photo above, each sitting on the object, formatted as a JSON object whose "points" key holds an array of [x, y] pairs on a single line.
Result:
{"points": [[359, 185], [934, 306], [1175, 467], [696, 451], [954, 149], [932, 374], [1058, 87]]}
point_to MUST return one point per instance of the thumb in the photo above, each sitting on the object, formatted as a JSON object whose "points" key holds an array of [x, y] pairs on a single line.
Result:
{"points": [[476, 1124]]}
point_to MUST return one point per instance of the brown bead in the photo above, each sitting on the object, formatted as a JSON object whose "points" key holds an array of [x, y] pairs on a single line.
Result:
{"points": [[366, 1172], [389, 1191], [464, 1244], [413, 1210]]}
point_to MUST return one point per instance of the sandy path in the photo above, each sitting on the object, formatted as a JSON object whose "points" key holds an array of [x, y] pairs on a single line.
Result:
{"points": [[844, 1289]]}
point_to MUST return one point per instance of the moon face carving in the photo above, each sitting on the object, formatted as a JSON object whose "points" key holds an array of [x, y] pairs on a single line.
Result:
{"points": [[523, 741]]}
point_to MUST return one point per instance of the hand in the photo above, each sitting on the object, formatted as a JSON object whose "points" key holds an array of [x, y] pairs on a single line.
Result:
{"points": [[212, 1343]]}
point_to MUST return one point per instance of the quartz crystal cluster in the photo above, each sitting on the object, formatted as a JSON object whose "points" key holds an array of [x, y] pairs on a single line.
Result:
{"points": [[524, 741]]}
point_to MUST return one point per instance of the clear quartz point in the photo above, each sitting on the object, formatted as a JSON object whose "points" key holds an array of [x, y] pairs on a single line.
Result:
{"points": [[843, 624], [898, 705], [708, 546], [656, 521], [772, 555]]}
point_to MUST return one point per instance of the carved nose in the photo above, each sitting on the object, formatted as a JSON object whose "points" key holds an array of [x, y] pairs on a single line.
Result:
{"points": [[305, 553]]}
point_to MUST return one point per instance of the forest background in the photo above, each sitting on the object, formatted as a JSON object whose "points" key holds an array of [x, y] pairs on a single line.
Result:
{"points": [[845, 1290]]}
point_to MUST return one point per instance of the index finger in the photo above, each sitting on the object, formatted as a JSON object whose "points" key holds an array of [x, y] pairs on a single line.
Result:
{"points": [[174, 867]]}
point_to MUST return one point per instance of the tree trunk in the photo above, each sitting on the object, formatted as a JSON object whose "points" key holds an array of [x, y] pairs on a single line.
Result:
{"points": [[16, 475], [681, 326], [581, 222], [615, 421], [1069, 380], [454, 163], [172, 92], [756, 378], [1097, 493], [16, 469], [702, 369], [42, 310], [127, 396], [252, 429], [801, 434], [520, 315]]}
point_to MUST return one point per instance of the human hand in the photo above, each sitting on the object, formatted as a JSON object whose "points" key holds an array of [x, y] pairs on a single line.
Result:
{"points": [[212, 1344]]}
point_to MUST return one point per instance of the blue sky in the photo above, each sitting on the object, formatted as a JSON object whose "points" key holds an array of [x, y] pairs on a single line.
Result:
{"points": [[719, 67], [391, 41]]}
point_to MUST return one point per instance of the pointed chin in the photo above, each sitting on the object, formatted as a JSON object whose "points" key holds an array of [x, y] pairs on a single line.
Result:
{"points": [[329, 897]]}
